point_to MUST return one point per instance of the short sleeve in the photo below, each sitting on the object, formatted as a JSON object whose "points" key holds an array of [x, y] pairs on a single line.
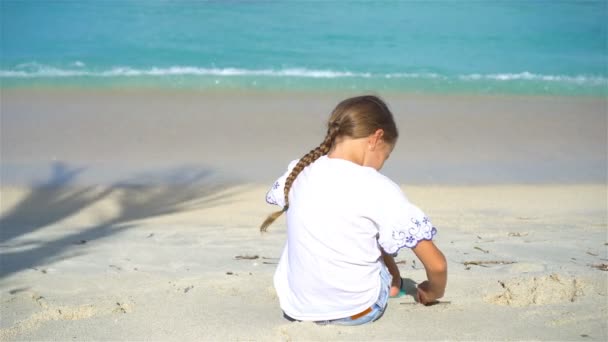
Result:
{"points": [[400, 223], [276, 193]]}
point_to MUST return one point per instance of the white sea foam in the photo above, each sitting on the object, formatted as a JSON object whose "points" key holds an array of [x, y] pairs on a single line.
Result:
{"points": [[528, 76], [36, 70], [424, 75]]}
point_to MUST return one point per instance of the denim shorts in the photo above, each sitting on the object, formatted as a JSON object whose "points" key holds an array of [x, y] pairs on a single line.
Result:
{"points": [[377, 308]]}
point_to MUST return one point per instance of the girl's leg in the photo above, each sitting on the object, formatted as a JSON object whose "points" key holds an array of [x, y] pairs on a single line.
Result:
{"points": [[389, 261]]}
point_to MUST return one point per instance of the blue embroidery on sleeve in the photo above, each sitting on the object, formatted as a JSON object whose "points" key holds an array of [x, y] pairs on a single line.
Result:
{"points": [[415, 233], [270, 199], [270, 196]]}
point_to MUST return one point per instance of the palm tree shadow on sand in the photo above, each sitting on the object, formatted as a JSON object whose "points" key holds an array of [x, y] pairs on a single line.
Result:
{"points": [[146, 196]]}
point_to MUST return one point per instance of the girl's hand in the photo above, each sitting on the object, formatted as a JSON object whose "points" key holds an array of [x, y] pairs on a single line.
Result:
{"points": [[424, 295]]}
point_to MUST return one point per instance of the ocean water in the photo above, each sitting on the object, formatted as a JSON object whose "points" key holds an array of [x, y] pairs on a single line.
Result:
{"points": [[496, 47]]}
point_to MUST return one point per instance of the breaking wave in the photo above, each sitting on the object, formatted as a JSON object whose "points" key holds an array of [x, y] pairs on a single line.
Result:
{"points": [[34, 70]]}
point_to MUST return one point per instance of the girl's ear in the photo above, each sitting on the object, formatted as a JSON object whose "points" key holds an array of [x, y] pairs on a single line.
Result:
{"points": [[375, 138]]}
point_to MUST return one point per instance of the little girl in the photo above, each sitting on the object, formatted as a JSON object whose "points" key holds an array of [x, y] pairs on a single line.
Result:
{"points": [[346, 222]]}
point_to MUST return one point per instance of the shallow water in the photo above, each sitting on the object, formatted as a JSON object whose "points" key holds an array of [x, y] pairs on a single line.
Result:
{"points": [[437, 47]]}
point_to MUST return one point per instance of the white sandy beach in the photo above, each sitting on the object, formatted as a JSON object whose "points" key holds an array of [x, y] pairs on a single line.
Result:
{"points": [[134, 215]]}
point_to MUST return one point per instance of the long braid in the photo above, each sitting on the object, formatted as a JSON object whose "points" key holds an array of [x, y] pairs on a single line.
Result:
{"points": [[307, 159]]}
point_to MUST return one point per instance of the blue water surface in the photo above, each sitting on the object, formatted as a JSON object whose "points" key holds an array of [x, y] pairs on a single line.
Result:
{"points": [[520, 47]]}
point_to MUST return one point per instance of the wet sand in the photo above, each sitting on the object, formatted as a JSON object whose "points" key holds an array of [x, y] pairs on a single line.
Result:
{"points": [[252, 136]]}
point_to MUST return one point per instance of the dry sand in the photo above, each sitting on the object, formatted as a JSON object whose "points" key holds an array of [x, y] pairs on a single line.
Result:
{"points": [[124, 218]]}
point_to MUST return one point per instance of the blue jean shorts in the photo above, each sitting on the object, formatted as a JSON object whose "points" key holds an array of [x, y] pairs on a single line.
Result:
{"points": [[378, 307]]}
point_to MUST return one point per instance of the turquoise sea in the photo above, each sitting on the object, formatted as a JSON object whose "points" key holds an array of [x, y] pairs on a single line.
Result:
{"points": [[496, 47]]}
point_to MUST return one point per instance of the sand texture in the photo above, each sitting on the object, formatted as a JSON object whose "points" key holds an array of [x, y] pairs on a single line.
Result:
{"points": [[123, 222]]}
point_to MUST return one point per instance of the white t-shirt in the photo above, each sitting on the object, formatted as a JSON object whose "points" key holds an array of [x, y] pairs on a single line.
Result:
{"points": [[340, 215]]}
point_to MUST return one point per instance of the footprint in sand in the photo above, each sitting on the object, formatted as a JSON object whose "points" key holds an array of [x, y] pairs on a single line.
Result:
{"points": [[540, 290], [40, 300]]}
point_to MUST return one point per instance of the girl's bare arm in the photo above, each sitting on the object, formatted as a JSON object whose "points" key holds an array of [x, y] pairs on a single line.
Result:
{"points": [[436, 271], [392, 267]]}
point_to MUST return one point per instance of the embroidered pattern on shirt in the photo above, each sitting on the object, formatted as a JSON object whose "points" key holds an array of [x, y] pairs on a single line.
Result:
{"points": [[416, 232], [270, 198]]}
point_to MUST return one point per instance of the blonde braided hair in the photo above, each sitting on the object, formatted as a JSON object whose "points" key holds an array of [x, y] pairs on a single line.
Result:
{"points": [[356, 117], [307, 159]]}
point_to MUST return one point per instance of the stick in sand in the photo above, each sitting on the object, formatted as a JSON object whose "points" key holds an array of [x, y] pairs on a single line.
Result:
{"points": [[431, 304], [489, 262]]}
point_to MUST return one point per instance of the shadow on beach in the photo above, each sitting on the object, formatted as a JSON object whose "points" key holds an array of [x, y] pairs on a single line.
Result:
{"points": [[143, 197]]}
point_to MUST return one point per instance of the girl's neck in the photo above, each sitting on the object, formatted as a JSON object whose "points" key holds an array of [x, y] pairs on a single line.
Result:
{"points": [[352, 150]]}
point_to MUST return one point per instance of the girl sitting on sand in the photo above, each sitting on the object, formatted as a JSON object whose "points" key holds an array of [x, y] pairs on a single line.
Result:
{"points": [[346, 221]]}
